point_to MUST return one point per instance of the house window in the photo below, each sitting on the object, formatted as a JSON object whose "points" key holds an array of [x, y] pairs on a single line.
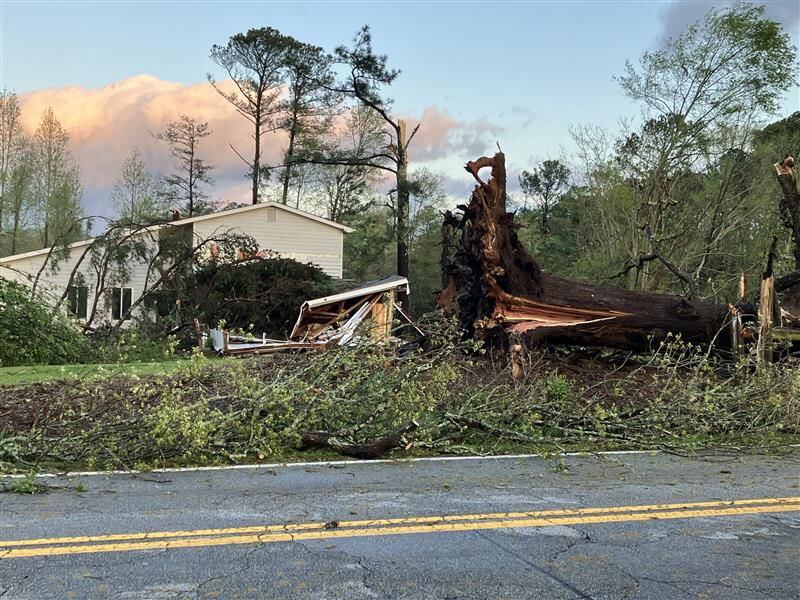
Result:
{"points": [[76, 300], [272, 214], [120, 301]]}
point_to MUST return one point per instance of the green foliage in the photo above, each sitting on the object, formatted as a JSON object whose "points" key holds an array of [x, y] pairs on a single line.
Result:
{"points": [[27, 485], [544, 186], [263, 294], [32, 333], [464, 400], [369, 251], [181, 425], [141, 343]]}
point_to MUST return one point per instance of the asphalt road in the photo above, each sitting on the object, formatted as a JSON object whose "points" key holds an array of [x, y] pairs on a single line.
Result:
{"points": [[622, 526]]}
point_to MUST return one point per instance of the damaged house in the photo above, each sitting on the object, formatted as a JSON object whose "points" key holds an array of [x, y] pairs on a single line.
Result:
{"points": [[79, 277]]}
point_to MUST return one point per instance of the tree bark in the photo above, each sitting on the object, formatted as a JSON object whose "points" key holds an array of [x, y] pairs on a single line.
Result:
{"points": [[790, 203], [257, 152], [287, 172], [403, 200], [497, 289], [790, 211], [375, 449]]}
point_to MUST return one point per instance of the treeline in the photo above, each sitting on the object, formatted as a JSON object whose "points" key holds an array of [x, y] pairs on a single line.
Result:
{"points": [[687, 200], [40, 188], [343, 146], [682, 199], [718, 220]]}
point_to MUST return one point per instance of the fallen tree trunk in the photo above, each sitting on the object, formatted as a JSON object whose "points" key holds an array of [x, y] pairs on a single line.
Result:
{"points": [[496, 288], [375, 449]]}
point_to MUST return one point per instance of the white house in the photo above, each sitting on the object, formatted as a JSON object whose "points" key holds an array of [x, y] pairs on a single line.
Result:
{"points": [[283, 230]]}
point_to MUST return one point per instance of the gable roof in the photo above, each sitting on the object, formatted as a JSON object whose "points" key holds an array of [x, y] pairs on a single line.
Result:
{"points": [[215, 215], [262, 205]]}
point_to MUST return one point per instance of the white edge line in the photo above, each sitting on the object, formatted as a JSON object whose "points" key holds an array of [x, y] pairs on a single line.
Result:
{"points": [[324, 463], [333, 463]]}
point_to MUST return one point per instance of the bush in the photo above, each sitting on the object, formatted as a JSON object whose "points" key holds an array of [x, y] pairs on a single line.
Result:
{"points": [[142, 343], [32, 333], [262, 294]]}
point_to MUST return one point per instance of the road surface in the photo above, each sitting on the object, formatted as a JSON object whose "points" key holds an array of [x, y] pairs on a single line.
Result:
{"points": [[612, 526]]}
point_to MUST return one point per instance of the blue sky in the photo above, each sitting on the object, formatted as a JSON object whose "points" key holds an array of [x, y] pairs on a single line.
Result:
{"points": [[525, 70]]}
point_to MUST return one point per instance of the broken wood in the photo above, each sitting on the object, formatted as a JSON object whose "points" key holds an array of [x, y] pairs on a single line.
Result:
{"points": [[766, 308], [374, 449], [497, 289]]}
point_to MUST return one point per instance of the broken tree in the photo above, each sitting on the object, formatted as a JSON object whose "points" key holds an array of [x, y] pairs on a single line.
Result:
{"points": [[496, 288], [789, 284]]}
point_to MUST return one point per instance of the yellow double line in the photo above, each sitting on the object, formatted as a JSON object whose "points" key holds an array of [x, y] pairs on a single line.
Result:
{"points": [[257, 534]]}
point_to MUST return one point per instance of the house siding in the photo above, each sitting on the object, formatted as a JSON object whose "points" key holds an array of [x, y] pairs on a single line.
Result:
{"points": [[53, 283], [290, 236]]}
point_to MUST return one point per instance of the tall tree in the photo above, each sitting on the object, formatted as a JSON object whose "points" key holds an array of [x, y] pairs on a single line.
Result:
{"points": [[544, 186], [254, 62], [18, 197], [12, 150], [135, 193], [183, 137], [366, 74], [310, 103], [56, 184]]}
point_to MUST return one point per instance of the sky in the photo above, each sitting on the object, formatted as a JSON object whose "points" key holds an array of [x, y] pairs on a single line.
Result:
{"points": [[475, 74]]}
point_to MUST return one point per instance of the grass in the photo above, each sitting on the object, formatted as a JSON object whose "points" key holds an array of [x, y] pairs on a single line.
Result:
{"points": [[41, 373], [27, 485]]}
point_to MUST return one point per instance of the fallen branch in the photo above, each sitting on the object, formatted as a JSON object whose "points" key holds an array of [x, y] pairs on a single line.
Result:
{"points": [[374, 449]]}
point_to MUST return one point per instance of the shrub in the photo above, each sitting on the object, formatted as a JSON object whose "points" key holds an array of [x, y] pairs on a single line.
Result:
{"points": [[142, 343], [262, 294], [32, 333]]}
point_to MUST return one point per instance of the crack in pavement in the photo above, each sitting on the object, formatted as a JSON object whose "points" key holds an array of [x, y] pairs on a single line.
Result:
{"points": [[367, 574], [675, 584], [571, 543], [248, 565], [535, 567], [21, 579]]}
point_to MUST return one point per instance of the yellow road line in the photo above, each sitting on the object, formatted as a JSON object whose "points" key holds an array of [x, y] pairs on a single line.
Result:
{"points": [[434, 527], [429, 520]]}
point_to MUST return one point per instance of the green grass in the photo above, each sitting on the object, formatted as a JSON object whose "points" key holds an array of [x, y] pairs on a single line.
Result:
{"points": [[39, 373]]}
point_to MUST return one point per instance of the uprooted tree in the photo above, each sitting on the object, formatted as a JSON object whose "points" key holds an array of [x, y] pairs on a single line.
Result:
{"points": [[498, 290]]}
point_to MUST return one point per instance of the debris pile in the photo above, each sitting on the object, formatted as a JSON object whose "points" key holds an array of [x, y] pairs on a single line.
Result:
{"points": [[329, 321]]}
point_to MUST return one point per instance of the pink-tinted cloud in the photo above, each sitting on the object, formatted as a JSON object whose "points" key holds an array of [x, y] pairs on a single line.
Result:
{"points": [[440, 135], [106, 123]]}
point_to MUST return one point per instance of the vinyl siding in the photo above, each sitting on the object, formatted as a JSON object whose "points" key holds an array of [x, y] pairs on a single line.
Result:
{"points": [[290, 236], [53, 283]]}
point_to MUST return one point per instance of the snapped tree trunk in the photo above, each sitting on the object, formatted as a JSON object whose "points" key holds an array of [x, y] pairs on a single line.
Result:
{"points": [[790, 211], [403, 201], [497, 289], [790, 203]]}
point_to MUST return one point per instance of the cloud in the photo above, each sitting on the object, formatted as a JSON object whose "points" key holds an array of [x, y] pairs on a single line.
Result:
{"points": [[105, 124], [441, 135], [677, 16]]}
